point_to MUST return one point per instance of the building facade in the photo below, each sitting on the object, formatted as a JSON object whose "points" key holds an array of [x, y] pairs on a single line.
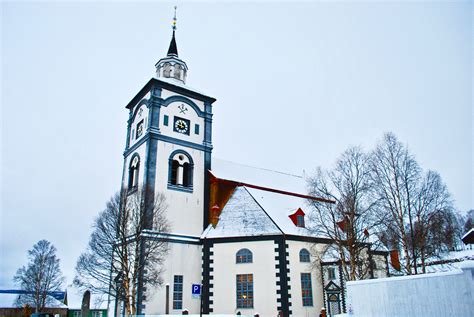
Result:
{"points": [[238, 231]]}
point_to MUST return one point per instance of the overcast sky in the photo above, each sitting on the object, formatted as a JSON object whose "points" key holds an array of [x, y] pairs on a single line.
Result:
{"points": [[296, 84]]}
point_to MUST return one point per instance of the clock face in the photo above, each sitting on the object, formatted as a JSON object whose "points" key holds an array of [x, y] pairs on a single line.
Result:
{"points": [[181, 125]]}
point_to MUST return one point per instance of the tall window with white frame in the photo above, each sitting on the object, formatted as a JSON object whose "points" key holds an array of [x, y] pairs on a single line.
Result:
{"points": [[178, 292], [133, 173], [244, 291], [306, 289]]}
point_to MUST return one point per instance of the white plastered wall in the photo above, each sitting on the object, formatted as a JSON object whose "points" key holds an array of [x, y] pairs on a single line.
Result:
{"points": [[296, 268], [144, 116], [182, 259], [264, 277], [185, 210], [173, 110]]}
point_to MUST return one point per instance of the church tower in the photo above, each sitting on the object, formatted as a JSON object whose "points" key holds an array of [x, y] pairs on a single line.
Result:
{"points": [[168, 150]]}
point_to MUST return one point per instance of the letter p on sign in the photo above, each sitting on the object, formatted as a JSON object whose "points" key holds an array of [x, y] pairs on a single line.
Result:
{"points": [[196, 289]]}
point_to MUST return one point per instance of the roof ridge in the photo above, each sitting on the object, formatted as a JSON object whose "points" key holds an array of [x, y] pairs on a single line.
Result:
{"points": [[261, 168], [263, 209]]}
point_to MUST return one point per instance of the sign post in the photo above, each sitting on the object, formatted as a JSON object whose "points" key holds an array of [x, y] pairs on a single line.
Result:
{"points": [[197, 293]]}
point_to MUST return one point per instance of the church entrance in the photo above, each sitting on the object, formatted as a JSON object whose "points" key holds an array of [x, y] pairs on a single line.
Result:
{"points": [[334, 307]]}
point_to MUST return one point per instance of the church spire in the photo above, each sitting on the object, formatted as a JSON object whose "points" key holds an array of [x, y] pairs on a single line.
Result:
{"points": [[173, 49], [171, 66]]}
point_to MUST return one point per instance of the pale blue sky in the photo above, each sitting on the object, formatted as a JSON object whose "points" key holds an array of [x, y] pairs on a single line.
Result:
{"points": [[296, 84]]}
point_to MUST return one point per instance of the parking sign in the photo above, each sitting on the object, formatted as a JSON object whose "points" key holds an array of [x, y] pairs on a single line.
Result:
{"points": [[196, 290]]}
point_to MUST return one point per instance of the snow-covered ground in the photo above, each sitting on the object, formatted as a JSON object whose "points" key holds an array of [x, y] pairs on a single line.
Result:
{"points": [[452, 260]]}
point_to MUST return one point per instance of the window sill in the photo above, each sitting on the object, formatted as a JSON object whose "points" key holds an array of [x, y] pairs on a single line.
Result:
{"points": [[180, 188]]}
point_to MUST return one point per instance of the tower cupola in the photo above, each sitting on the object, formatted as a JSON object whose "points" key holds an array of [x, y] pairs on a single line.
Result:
{"points": [[171, 66]]}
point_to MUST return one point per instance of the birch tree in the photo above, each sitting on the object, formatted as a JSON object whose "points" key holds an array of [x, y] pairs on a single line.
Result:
{"points": [[350, 220], [127, 237], [41, 276], [395, 176], [434, 220]]}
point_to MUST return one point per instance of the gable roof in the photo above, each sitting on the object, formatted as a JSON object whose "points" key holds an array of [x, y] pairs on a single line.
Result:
{"points": [[279, 207], [291, 182], [242, 216], [268, 194]]}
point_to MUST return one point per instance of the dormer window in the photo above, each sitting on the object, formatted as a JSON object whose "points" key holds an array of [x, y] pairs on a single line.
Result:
{"points": [[300, 221], [298, 218], [133, 172], [180, 171]]}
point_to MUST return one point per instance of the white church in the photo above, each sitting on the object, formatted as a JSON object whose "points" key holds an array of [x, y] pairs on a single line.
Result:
{"points": [[237, 230]]}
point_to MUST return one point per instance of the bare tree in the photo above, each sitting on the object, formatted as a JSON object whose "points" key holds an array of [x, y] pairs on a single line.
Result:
{"points": [[434, 229], [395, 176], [468, 221], [127, 236], [348, 221], [40, 276]]}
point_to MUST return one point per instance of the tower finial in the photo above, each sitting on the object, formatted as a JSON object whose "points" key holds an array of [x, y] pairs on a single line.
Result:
{"points": [[173, 49], [171, 66], [174, 19]]}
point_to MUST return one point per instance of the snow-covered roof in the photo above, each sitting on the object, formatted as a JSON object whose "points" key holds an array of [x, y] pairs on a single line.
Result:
{"points": [[451, 260], [376, 244], [292, 182], [8, 300], [279, 207], [332, 254], [275, 205], [242, 216], [468, 237], [177, 83]]}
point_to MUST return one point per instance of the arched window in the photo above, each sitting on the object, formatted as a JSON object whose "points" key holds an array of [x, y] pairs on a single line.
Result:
{"points": [[180, 171], [133, 172], [304, 255], [177, 71], [243, 256], [167, 70]]}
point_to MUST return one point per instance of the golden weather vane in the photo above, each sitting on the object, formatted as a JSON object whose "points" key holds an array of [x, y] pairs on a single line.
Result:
{"points": [[174, 18]]}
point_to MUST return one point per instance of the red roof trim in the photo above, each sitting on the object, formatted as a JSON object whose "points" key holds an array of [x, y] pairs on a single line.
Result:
{"points": [[273, 190]]}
